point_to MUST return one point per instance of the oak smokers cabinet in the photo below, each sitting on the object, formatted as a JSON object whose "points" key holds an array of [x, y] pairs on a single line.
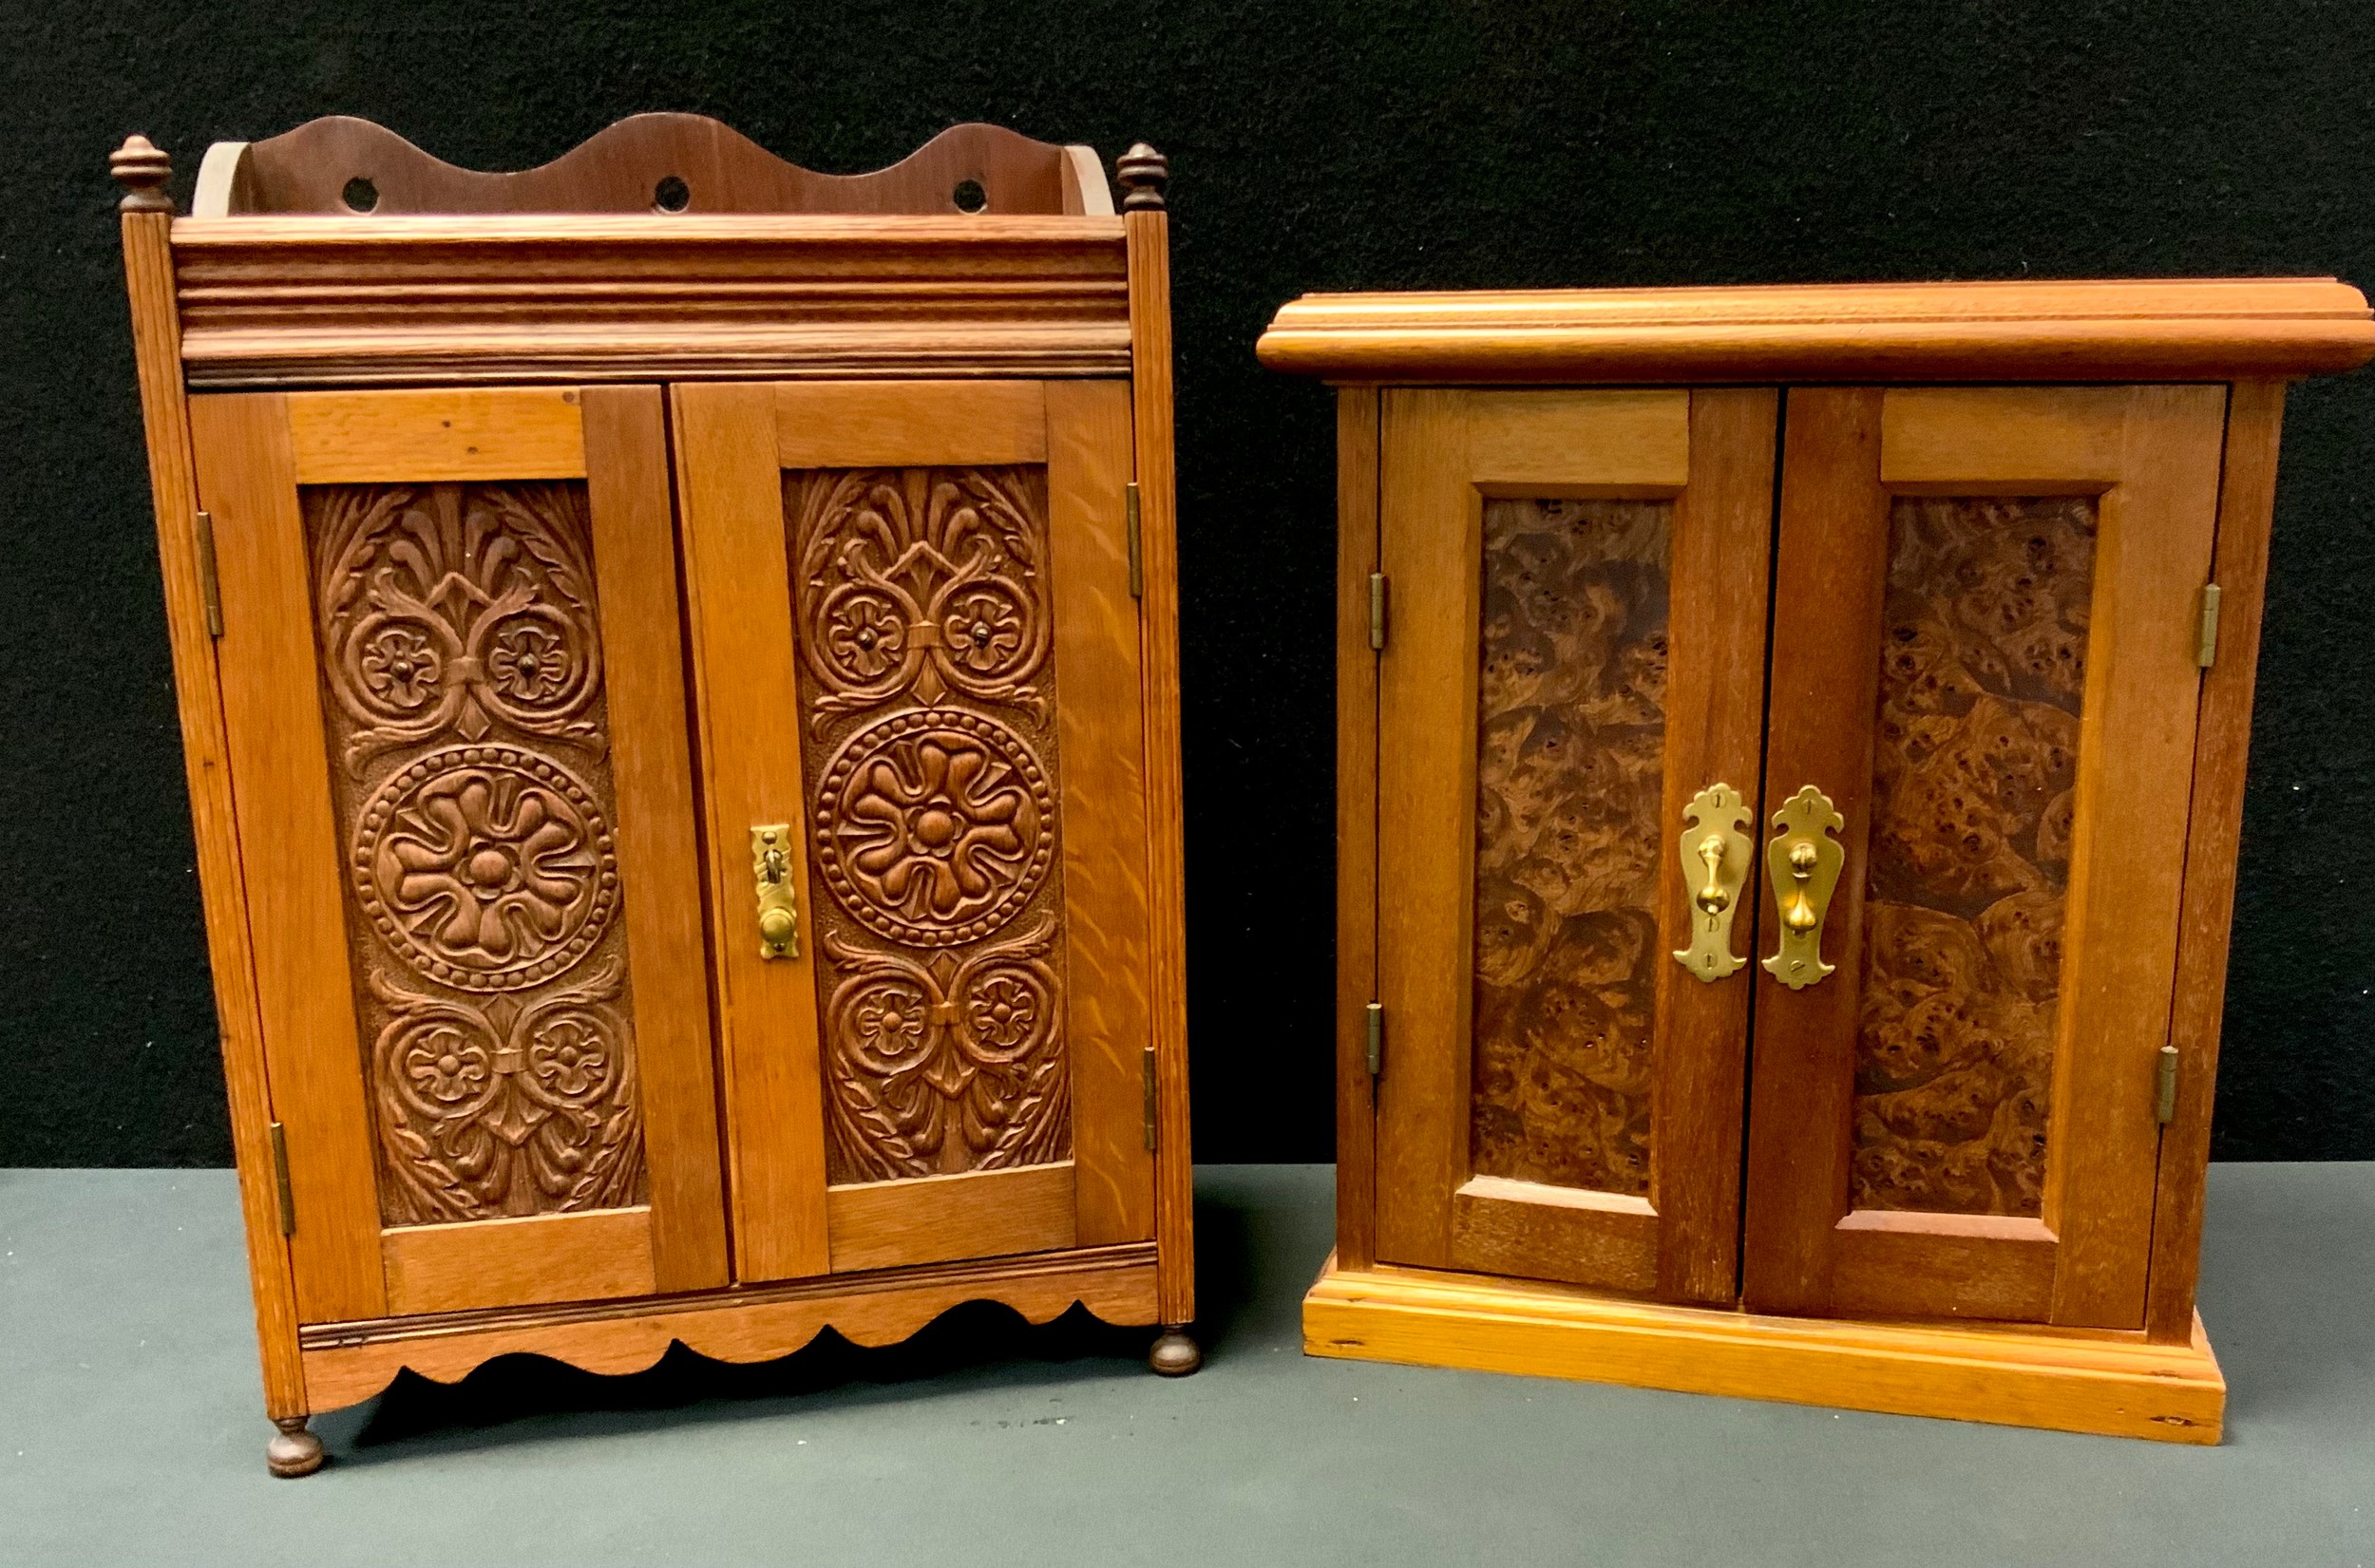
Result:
{"points": [[676, 665], [1791, 757]]}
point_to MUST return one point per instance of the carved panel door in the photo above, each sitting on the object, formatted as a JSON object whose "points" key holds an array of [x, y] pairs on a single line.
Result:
{"points": [[916, 649], [1985, 633], [467, 835], [1574, 675]]}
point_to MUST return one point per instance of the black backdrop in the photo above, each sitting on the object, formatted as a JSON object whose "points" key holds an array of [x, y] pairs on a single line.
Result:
{"points": [[1369, 144]]}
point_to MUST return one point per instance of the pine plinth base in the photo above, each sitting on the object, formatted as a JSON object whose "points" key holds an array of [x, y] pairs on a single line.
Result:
{"points": [[2072, 1381]]}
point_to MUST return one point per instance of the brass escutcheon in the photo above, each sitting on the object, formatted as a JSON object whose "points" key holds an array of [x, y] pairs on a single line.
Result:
{"points": [[779, 910], [1803, 862], [1716, 851]]}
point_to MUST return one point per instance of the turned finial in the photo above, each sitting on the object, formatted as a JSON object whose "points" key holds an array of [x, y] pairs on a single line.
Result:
{"points": [[142, 169], [1143, 172]]}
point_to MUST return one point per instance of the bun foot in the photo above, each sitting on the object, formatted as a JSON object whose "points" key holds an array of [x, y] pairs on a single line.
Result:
{"points": [[292, 1451], [1174, 1353]]}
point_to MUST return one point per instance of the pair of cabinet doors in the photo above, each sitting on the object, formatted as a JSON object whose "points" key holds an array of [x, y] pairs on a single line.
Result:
{"points": [[1915, 666], [523, 812]]}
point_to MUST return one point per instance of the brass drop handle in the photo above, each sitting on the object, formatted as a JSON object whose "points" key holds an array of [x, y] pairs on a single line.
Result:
{"points": [[1804, 860], [778, 907], [1797, 908], [1717, 851], [1714, 899]]}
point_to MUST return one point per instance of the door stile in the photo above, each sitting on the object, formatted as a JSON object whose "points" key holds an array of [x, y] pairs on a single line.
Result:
{"points": [[633, 514], [1715, 733], [1832, 554], [1430, 533], [1109, 1004], [2127, 870], [731, 490], [247, 480]]}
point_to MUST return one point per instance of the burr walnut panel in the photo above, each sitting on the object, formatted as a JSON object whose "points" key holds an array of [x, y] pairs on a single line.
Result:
{"points": [[922, 613], [1984, 668], [1572, 732], [462, 685]]}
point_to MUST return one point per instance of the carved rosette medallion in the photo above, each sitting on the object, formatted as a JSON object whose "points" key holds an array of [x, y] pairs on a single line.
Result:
{"points": [[927, 676], [461, 657], [932, 826], [489, 868]]}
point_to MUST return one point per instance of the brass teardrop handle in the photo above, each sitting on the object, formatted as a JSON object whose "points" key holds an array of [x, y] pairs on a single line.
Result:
{"points": [[1803, 861], [779, 908], [1716, 855]]}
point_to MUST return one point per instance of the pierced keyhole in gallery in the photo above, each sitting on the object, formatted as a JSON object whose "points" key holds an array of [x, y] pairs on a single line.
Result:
{"points": [[672, 195]]}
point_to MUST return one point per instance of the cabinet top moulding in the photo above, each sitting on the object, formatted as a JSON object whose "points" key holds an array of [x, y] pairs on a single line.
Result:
{"points": [[665, 246], [2209, 329]]}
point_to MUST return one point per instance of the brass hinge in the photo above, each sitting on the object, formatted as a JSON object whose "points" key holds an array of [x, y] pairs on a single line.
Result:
{"points": [[1377, 611], [1129, 523], [1149, 1074], [280, 1181], [1376, 1038], [2206, 642], [2165, 1102], [209, 590]]}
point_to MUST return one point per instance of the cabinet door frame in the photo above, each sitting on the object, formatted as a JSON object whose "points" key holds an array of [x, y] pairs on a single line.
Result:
{"points": [[253, 452], [2150, 455], [1442, 452], [735, 442]]}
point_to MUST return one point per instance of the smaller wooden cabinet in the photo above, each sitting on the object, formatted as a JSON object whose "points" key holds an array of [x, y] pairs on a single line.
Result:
{"points": [[1791, 760], [677, 666]]}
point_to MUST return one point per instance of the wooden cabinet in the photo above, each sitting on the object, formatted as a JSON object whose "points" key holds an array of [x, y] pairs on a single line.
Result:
{"points": [[1791, 760], [677, 666]]}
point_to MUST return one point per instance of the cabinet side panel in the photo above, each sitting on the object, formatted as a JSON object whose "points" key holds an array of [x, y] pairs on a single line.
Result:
{"points": [[173, 482], [1355, 825], [2247, 502], [1147, 239], [1103, 786]]}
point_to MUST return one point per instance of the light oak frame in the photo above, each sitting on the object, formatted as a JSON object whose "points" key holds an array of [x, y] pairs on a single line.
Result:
{"points": [[407, 305], [2246, 338]]}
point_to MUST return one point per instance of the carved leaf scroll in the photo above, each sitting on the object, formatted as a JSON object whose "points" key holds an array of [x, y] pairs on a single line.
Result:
{"points": [[1571, 737], [1983, 670], [927, 675], [462, 685]]}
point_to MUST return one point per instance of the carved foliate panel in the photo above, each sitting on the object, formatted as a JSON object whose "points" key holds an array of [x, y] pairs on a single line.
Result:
{"points": [[1984, 669], [1569, 768], [927, 686], [462, 685]]}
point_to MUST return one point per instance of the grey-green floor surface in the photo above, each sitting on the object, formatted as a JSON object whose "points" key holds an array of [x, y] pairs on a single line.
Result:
{"points": [[131, 1430]]}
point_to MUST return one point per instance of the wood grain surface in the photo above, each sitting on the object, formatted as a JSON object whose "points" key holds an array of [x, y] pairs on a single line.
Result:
{"points": [[205, 750], [2026, 330], [2221, 747], [1357, 416], [2073, 1381], [445, 301], [621, 168]]}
